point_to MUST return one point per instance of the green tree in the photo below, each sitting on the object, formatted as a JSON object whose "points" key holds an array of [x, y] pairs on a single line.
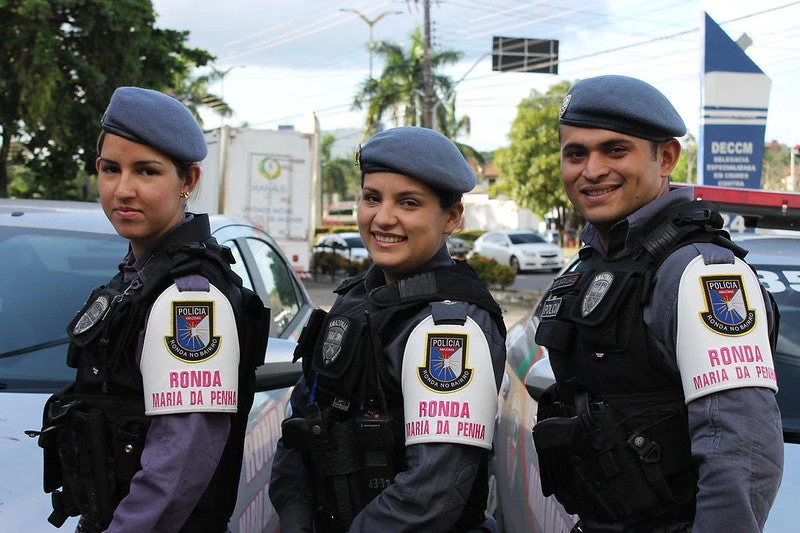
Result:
{"points": [[686, 169], [529, 169], [59, 63], [399, 90], [775, 167], [339, 174]]}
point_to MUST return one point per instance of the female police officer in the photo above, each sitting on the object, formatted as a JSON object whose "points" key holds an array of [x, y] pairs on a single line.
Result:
{"points": [[394, 416], [171, 332]]}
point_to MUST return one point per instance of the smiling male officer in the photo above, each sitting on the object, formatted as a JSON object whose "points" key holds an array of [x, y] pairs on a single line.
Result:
{"points": [[663, 417]]}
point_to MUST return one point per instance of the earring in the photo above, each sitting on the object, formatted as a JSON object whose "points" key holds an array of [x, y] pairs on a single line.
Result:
{"points": [[184, 194]]}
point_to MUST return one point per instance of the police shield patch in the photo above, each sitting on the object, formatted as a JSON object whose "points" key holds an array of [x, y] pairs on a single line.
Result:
{"points": [[727, 311], [564, 105], [193, 338], [597, 291], [334, 337], [92, 315], [445, 367]]}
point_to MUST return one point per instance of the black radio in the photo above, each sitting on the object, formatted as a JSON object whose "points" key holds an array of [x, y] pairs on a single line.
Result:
{"points": [[376, 445]]}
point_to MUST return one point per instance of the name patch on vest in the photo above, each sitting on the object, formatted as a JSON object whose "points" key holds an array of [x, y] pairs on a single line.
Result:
{"points": [[727, 311], [567, 280], [445, 363], [193, 337], [597, 291], [334, 337], [550, 307]]}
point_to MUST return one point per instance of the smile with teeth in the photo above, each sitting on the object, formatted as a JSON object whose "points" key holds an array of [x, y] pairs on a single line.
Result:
{"points": [[599, 192], [388, 238]]}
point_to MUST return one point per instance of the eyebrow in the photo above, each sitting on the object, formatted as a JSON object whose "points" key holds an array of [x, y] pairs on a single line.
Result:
{"points": [[605, 144], [140, 162], [399, 193]]}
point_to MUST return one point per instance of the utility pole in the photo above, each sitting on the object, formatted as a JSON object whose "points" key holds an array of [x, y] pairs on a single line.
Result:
{"points": [[427, 80]]}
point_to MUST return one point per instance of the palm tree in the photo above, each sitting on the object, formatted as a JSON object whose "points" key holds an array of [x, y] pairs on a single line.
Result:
{"points": [[399, 90], [453, 127], [192, 91]]}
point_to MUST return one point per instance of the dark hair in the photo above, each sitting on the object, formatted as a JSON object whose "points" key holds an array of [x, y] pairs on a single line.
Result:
{"points": [[446, 198], [181, 167]]}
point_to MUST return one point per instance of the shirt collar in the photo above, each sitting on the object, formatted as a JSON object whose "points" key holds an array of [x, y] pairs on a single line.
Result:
{"points": [[625, 236]]}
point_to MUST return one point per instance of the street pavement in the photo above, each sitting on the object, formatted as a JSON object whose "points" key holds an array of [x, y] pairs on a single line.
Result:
{"points": [[515, 304]]}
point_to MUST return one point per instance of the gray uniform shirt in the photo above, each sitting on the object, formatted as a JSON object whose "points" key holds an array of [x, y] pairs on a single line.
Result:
{"points": [[736, 434], [431, 493]]}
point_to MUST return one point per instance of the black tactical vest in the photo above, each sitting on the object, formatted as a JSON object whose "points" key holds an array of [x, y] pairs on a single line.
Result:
{"points": [[612, 436], [104, 407], [344, 367]]}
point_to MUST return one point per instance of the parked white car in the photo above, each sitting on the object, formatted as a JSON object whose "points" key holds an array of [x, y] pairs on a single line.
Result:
{"points": [[520, 249], [348, 244]]}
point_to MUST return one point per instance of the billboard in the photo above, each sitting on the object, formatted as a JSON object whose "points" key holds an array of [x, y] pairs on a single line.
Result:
{"points": [[735, 98]]}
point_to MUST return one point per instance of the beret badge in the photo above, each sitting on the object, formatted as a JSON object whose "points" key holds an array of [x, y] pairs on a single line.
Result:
{"points": [[357, 162], [564, 104]]}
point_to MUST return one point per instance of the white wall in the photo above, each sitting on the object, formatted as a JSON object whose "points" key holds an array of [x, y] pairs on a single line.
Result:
{"points": [[482, 212]]}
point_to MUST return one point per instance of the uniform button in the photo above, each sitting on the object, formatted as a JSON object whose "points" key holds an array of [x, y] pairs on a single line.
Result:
{"points": [[316, 430], [129, 448], [638, 442]]}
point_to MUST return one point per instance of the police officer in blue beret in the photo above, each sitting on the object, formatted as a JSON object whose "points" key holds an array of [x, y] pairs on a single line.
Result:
{"points": [[137, 442], [662, 418], [392, 422]]}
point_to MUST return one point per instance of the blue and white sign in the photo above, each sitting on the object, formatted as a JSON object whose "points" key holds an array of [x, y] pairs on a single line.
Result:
{"points": [[735, 101]]}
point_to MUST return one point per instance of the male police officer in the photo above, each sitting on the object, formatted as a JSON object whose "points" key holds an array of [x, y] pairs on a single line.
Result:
{"points": [[663, 417]]}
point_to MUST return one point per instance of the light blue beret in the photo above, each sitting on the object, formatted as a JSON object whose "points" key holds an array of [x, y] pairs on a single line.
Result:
{"points": [[420, 153], [622, 104], [155, 119]]}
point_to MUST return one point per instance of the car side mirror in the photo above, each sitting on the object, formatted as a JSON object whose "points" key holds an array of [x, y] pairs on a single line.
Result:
{"points": [[539, 378], [278, 370]]}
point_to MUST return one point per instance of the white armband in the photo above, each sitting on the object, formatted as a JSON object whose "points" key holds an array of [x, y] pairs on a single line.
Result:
{"points": [[723, 338], [449, 392], [190, 356]]}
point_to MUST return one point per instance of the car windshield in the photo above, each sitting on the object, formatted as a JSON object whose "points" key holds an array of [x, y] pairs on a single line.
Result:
{"points": [[354, 242], [63, 265], [525, 238]]}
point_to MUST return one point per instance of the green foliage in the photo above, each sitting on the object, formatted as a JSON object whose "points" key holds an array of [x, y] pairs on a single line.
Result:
{"points": [[776, 166], [530, 167], [686, 169], [491, 272], [59, 63], [332, 263], [333, 229], [469, 234], [339, 175], [399, 89]]}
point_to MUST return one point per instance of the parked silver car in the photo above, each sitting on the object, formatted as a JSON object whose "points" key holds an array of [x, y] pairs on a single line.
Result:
{"points": [[51, 255]]}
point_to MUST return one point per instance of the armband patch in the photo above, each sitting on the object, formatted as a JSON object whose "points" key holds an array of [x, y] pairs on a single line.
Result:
{"points": [[449, 392], [722, 338], [190, 354]]}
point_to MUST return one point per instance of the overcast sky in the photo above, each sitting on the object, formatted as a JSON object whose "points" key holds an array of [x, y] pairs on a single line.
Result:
{"points": [[289, 58]]}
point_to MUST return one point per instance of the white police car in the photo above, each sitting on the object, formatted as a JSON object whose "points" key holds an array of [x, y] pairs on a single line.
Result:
{"points": [[51, 255], [516, 498]]}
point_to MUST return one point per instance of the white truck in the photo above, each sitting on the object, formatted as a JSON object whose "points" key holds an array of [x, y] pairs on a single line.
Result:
{"points": [[272, 178]]}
